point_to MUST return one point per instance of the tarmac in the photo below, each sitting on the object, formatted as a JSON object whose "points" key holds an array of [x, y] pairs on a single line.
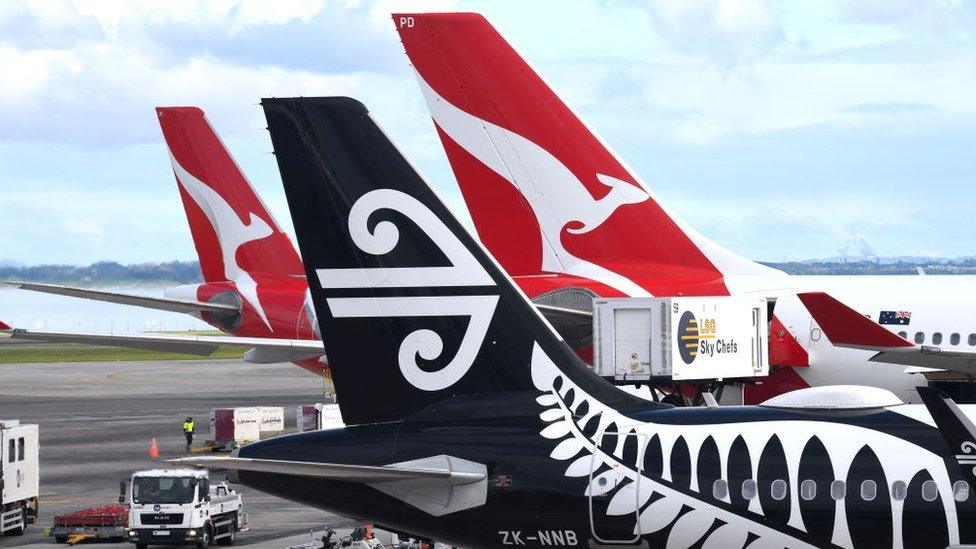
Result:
{"points": [[97, 421]]}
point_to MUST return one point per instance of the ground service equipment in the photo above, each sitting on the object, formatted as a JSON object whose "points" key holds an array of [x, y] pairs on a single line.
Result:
{"points": [[312, 417], [233, 427], [19, 476], [180, 506], [680, 338], [105, 524]]}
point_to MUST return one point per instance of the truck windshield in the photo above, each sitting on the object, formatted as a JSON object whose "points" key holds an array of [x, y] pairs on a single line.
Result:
{"points": [[162, 489]]}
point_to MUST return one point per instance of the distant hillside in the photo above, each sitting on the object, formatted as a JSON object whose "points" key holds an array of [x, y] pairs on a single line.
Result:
{"points": [[879, 266], [108, 273]]}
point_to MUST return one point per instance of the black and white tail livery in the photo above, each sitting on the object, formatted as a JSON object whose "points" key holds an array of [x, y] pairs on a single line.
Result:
{"points": [[471, 423], [413, 308]]}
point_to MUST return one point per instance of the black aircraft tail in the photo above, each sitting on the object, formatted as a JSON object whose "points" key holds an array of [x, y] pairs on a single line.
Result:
{"points": [[412, 309], [956, 428]]}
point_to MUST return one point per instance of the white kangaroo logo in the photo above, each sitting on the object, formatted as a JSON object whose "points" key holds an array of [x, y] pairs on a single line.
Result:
{"points": [[557, 197], [231, 232]]}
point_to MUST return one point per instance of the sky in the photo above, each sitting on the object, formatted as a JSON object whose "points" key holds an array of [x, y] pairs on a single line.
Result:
{"points": [[781, 130]]}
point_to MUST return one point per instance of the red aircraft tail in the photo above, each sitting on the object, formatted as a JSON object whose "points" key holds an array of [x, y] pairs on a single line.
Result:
{"points": [[546, 194], [234, 234], [846, 327]]}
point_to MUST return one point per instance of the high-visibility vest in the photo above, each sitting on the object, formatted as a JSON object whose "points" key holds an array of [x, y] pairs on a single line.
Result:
{"points": [[187, 426]]}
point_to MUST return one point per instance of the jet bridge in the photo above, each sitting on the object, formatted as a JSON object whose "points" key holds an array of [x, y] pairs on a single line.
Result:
{"points": [[680, 338]]}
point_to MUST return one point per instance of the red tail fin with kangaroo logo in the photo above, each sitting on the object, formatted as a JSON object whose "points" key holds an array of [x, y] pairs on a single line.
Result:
{"points": [[234, 234], [546, 194]]}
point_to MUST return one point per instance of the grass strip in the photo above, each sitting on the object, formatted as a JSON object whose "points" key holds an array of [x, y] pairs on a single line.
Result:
{"points": [[86, 353]]}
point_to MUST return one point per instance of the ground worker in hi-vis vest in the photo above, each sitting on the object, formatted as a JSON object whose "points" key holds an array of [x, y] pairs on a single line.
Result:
{"points": [[188, 428]]}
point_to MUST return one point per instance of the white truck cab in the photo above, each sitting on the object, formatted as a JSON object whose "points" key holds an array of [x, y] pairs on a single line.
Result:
{"points": [[181, 506], [19, 476]]}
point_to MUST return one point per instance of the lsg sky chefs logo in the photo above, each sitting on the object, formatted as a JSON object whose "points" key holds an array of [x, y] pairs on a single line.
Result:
{"points": [[700, 337]]}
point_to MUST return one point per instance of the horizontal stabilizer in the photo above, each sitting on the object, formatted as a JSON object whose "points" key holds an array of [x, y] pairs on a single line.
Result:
{"points": [[367, 474], [438, 485], [200, 345], [846, 327], [162, 304], [927, 359]]}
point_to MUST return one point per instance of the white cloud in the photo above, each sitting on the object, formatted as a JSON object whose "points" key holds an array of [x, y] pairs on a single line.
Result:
{"points": [[732, 33], [122, 58], [933, 16], [98, 93], [691, 85]]}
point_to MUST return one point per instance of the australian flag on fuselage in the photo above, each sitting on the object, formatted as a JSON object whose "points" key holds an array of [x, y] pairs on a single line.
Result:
{"points": [[901, 318]]}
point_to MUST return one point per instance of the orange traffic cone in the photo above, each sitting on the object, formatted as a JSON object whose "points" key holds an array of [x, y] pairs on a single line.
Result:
{"points": [[154, 449]]}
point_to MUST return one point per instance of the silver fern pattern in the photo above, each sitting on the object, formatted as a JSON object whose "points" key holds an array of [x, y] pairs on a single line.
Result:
{"points": [[689, 516]]}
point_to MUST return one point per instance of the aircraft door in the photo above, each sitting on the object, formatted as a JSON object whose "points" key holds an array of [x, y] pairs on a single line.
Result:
{"points": [[616, 491]]}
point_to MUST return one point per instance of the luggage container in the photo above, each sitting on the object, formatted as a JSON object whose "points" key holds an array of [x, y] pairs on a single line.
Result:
{"points": [[271, 421], [232, 427], [313, 417]]}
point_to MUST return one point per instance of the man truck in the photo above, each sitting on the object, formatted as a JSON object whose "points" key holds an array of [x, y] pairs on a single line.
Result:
{"points": [[181, 506]]}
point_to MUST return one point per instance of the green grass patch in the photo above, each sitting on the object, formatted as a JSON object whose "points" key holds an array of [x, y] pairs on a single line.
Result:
{"points": [[85, 353]]}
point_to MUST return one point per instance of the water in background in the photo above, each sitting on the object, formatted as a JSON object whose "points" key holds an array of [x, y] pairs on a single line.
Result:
{"points": [[33, 310]]}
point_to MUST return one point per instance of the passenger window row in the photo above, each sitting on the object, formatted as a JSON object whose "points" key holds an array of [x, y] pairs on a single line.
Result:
{"points": [[868, 490], [954, 339]]}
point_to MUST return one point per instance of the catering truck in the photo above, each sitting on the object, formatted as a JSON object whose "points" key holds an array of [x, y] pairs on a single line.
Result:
{"points": [[680, 339], [181, 506], [19, 476]]}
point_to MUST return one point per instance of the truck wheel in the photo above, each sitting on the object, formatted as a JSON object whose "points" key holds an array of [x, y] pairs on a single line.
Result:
{"points": [[204, 540], [60, 539], [142, 546]]}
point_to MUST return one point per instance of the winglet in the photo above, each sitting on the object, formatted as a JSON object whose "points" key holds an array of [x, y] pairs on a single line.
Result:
{"points": [[845, 326]]}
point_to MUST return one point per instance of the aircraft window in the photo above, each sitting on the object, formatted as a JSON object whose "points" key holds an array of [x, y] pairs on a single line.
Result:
{"points": [[838, 490], [903, 334], [869, 490], [778, 489], [930, 490], [808, 490], [936, 338], [899, 490], [749, 489], [972, 340], [919, 337], [960, 490], [954, 339], [20, 449], [720, 489]]}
